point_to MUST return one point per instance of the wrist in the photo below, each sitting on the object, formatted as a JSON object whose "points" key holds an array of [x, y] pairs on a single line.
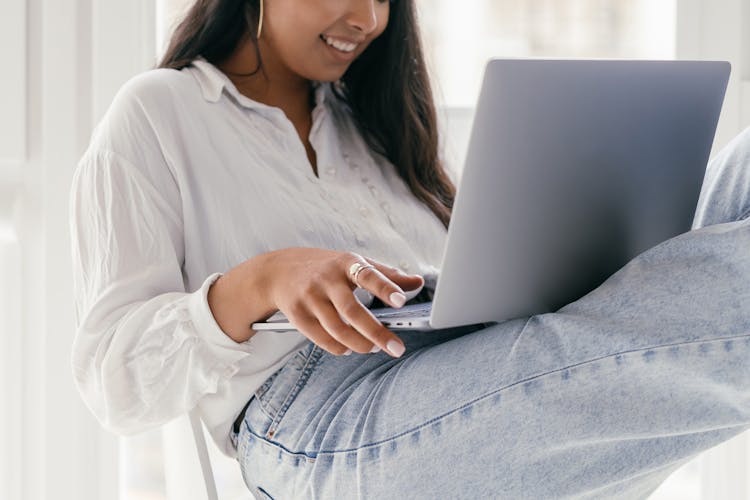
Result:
{"points": [[219, 302], [237, 299]]}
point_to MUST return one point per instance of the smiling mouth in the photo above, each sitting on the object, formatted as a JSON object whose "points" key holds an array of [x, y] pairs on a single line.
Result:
{"points": [[345, 47]]}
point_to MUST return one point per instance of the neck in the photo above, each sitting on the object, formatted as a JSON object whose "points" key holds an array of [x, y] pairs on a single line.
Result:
{"points": [[278, 87]]}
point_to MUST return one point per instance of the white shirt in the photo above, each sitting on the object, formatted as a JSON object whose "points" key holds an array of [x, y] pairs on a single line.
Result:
{"points": [[184, 179]]}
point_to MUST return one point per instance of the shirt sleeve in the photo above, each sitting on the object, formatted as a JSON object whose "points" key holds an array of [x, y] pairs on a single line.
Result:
{"points": [[146, 350]]}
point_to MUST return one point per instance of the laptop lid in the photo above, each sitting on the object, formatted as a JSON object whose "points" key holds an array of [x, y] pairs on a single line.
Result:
{"points": [[573, 168]]}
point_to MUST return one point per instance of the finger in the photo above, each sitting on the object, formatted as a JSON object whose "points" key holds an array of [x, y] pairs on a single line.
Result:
{"points": [[385, 267], [377, 283], [310, 327], [363, 321], [405, 281], [332, 321]]}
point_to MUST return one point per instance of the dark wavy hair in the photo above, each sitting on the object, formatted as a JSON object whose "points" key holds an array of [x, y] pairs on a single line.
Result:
{"points": [[387, 88]]}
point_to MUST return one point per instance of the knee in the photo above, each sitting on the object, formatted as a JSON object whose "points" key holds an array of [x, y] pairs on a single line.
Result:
{"points": [[725, 196]]}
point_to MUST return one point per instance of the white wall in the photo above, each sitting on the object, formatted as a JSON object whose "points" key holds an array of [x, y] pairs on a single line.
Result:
{"points": [[12, 155], [58, 76]]}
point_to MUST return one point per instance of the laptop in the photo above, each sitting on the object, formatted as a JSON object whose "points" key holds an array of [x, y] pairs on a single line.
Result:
{"points": [[573, 168]]}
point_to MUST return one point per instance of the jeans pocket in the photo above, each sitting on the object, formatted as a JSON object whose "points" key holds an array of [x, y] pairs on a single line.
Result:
{"points": [[278, 392]]}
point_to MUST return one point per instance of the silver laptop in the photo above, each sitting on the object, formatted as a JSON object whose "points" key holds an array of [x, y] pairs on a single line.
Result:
{"points": [[573, 168]]}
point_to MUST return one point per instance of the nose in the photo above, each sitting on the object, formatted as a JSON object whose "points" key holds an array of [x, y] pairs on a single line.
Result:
{"points": [[363, 16]]}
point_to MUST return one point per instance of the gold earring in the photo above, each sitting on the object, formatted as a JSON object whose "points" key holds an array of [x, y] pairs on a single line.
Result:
{"points": [[260, 20]]}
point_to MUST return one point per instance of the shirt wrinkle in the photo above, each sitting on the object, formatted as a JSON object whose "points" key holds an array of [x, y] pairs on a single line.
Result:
{"points": [[153, 129]]}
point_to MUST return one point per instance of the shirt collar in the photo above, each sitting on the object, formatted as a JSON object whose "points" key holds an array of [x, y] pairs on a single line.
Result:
{"points": [[213, 82]]}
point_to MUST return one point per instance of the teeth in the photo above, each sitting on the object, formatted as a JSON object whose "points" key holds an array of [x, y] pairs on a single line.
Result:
{"points": [[342, 46]]}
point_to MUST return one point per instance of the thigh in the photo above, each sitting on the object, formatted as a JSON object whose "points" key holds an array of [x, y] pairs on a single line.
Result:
{"points": [[453, 420], [271, 402], [273, 410], [604, 397]]}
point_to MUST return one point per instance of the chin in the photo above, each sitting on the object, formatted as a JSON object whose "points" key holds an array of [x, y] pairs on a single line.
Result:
{"points": [[326, 73], [331, 74]]}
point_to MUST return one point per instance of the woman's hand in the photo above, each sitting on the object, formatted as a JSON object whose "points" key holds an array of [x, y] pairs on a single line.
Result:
{"points": [[313, 288]]}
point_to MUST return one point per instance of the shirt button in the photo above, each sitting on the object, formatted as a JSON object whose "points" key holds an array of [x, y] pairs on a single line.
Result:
{"points": [[404, 265], [360, 240], [364, 211], [331, 171], [364, 179], [385, 205]]}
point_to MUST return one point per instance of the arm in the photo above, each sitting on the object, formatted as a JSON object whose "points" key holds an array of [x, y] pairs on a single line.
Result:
{"points": [[146, 350]]}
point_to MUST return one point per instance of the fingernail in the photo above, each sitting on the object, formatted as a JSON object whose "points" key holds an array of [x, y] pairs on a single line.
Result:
{"points": [[395, 348], [375, 348], [348, 352], [398, 299]]}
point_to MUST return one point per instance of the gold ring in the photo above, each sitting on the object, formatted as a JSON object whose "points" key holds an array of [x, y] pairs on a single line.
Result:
{"points": [[357, 268]]}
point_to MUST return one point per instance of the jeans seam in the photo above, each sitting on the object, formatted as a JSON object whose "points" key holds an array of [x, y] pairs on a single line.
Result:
{"points": [[261, 392], [311, 457], [264, 410]]}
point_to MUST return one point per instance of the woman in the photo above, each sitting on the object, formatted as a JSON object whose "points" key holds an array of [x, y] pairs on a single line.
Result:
{"points": [[285, 157]]}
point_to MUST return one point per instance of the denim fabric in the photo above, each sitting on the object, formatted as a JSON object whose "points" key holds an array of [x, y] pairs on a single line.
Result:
{"points": [[601, 399]]}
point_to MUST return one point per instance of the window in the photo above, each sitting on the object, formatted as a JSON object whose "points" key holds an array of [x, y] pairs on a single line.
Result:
{"points": [[459, 37]]}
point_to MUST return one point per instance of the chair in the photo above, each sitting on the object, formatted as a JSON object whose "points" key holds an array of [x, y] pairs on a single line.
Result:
{"points": [[203, 458], [183, 461]]}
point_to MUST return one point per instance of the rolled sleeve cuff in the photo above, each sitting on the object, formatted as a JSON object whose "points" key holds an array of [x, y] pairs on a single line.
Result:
{"points": [[206, 324]]}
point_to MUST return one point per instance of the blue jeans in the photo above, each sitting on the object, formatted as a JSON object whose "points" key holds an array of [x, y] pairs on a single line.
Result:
{"points": [[601, 399]]}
